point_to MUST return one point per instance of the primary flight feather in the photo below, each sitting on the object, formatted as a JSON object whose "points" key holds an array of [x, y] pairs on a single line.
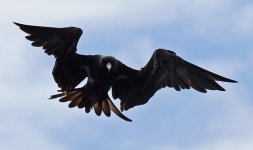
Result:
{"points": [[132, 87]]}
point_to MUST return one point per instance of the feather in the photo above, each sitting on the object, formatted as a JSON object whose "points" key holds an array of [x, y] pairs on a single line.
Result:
{"points": [[57, 95], [116, 111], [98, 108], [69, 96], [106, 108], [76, 100]]}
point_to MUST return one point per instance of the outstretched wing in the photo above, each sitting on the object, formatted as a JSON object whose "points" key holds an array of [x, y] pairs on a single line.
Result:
{"points": [[164, 69], [68, 72], [59, 42]]}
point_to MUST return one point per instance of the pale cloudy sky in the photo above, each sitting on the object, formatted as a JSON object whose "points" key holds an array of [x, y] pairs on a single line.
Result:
{"points": [[214, 34]]}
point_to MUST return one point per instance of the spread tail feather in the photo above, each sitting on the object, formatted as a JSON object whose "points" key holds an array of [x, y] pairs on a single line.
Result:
{"points": [[77, 97], [116, 110]]}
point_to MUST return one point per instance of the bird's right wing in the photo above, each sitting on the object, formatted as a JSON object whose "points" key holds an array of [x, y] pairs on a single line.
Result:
{"points": [[60, 42], [68, 73]]}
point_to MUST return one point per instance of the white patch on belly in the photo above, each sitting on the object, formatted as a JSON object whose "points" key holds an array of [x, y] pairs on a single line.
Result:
{"points": [[109, 66]]}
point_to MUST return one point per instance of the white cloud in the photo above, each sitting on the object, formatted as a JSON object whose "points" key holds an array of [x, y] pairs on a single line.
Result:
{"points": [[229, 143], [226, 143], [20, 134], [198, 17], [228, 128], [23, 95], [243, 20]]}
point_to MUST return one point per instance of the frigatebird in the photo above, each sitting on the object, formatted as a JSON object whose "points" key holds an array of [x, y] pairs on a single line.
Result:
{"points": [[132, 87]]}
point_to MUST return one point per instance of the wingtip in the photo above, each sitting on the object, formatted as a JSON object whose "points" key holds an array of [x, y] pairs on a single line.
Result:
{"points": [[221, 78], [229, 80], [222, 89], [18, 24], [233, 81]]}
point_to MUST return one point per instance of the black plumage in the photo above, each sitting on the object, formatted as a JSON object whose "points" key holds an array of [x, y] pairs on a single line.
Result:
{"points": [[133, 87]]}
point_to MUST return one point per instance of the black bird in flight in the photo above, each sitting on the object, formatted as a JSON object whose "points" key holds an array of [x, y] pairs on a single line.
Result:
{"points": [[132, 87]]}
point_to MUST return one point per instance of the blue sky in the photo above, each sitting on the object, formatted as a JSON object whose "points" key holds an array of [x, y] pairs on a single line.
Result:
{"points": [[214, 34]]}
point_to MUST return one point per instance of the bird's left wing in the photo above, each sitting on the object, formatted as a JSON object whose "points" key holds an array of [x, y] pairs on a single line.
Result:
{"points": [[164, 69]]}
